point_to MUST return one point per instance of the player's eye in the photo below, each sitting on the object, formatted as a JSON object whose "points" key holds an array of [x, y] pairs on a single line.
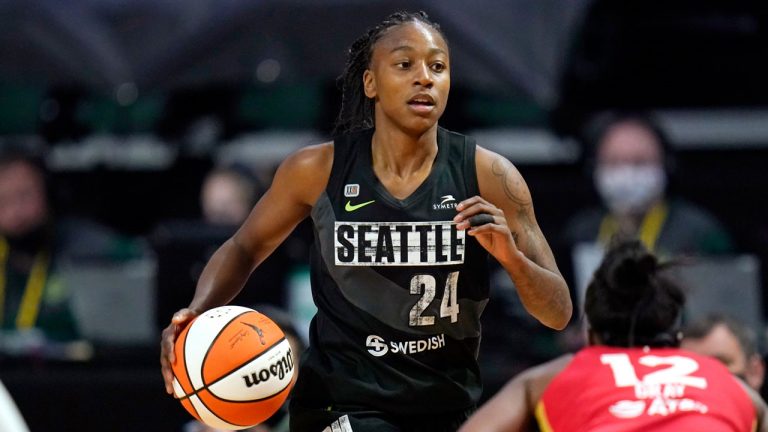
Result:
{"points": [[439, 67]]}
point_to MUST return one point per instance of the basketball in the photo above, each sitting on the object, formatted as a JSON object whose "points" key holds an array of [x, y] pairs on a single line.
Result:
{"points": [[234, 367]]}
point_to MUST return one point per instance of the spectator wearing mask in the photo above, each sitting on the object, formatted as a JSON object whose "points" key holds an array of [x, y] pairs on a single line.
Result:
{"points": [[631, 163]]}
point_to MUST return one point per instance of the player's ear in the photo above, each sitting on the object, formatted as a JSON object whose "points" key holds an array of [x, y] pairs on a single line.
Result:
{"points": [[369, 84]]}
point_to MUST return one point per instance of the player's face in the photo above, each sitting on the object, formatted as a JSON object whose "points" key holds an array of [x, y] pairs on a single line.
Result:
{"points": [[409, 77]]}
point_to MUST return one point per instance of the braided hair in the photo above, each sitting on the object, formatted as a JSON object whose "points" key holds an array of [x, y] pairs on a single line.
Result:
{"points": [[356, 111], [631, 301]]}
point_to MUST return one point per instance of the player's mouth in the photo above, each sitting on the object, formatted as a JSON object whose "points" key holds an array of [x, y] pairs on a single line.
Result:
{"points": [[422, 103]]}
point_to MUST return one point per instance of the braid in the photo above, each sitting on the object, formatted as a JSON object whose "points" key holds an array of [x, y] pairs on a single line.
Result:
{"points": [[356, 111]]}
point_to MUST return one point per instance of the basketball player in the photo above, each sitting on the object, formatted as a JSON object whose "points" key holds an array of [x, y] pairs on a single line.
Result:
{"points": [[405, 214], [633, 376]]}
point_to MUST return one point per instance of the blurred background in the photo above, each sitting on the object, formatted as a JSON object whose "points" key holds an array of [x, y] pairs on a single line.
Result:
{"points": [[131, 107]]}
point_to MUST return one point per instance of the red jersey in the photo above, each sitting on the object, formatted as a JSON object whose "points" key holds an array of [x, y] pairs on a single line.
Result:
{"points": [[634, 389]]}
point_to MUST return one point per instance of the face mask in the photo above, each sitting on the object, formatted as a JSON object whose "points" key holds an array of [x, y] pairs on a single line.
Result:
{"points": [[630, 188]]}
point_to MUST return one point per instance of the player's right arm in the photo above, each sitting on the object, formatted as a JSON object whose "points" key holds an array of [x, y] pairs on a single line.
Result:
{"points": [[297, 185], [512, 408]]}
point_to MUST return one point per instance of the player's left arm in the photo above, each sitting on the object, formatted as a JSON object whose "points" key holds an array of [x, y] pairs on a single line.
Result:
{"points": [[514, 238]]}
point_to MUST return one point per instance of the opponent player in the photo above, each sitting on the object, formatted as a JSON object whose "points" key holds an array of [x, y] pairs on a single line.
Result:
{"points": [[399, 275], [632, 377]]}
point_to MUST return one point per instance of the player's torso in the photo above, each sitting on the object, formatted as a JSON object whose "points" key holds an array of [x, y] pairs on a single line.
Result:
{"points": [[664, 389], [398, 288]]}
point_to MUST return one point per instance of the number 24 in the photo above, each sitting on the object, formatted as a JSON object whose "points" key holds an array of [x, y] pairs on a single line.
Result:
{"points": [[449, 307]]}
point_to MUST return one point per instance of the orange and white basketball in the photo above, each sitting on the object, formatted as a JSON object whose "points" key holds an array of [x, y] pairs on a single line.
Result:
{"points": [[234, 367]]}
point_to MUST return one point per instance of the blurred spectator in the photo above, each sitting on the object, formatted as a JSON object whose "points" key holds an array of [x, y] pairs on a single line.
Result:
{"points": [[183, 246], [279, 421], [731, 342], [227, 195], [631, 164], [35, 244]]}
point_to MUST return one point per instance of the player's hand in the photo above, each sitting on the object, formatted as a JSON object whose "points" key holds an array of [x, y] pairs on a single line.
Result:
{"points": [[170, 334], [488, 225]]}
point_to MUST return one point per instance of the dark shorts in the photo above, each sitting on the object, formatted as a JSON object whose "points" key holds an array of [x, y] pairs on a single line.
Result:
{"points": [[338, 419]]}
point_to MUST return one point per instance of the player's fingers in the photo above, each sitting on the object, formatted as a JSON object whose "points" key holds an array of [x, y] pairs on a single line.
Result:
{"points": [[479, 213], [481, 219], [470, 202], [488, 228], [167, 377], [182, 316]]}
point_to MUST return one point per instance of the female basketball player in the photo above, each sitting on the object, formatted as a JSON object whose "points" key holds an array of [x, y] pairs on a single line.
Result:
{"points": [[632, 377], [405, 214]]}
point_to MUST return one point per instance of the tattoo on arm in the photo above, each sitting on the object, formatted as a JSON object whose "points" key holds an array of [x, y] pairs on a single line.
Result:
{"points": [[509, 182]]}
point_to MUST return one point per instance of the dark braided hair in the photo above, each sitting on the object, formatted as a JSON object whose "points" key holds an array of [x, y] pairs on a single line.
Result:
{"points": [[630, 301], [356, 111]]}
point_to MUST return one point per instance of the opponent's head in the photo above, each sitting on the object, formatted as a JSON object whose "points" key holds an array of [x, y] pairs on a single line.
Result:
{"points": [[630, 302], [398, 68]]}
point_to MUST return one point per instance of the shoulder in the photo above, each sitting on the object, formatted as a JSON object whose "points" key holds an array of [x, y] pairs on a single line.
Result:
{"points": [[316, 156], [308, 163], [539, 377], [305, 172], [496, 174]]}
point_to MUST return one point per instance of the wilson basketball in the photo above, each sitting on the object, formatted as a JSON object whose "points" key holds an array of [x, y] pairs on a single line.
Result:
{"points": [[234, 367]]}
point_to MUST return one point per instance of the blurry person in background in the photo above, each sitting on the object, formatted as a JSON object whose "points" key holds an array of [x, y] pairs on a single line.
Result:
{"points": [[729, 341], [227, 195], [35, 243], [631, 163]]}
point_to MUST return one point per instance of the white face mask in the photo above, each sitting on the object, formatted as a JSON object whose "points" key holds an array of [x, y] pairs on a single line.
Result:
{"points": [[630, 188]]}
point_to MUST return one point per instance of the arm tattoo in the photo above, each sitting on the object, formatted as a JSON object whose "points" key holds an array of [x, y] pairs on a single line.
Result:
{"points": [[509, 182], [512, 184]]}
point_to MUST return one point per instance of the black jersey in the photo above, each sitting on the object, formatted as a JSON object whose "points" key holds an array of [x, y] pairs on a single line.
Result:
{"points": [[399, 290]]}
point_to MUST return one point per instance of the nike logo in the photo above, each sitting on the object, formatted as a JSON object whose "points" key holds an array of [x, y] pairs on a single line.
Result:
{"points": [[350, 208]]}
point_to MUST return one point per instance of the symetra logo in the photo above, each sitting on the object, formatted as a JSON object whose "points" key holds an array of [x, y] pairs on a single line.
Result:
{"points": [[447, 202], [352, 207], [378, 347]]}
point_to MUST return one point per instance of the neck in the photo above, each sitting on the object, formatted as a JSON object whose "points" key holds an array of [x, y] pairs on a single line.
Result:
{"points": [[401, 153]]}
